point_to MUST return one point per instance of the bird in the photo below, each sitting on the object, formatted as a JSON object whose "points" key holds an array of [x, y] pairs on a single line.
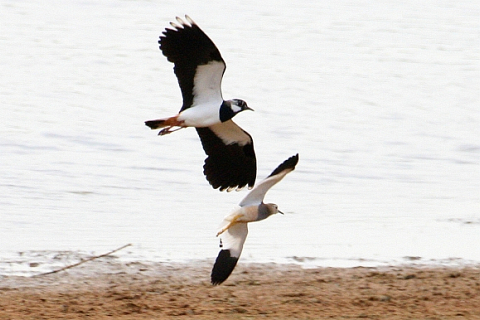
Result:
{"points": [[199, 67], [234, 230]]}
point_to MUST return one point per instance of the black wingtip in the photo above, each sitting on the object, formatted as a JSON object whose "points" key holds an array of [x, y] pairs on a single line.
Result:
{"points": [[290, 163], [223, 267]]}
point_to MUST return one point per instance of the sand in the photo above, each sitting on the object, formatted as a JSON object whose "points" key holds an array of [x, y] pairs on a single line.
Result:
{"points": [[110, 289]]}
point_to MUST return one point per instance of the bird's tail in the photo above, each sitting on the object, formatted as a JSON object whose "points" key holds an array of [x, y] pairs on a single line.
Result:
{"points": [[156, 124]]}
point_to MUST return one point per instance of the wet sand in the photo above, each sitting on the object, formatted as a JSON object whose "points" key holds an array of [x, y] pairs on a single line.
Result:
{"points": [[112, 290]]}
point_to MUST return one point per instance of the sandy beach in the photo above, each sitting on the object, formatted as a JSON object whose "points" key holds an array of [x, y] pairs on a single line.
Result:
{"points": [[109, 289]]}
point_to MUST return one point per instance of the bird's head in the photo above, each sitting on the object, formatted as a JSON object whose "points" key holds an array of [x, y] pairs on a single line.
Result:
{"points": [[239, 105], [273, 208], [230, 108], [265, 210]]}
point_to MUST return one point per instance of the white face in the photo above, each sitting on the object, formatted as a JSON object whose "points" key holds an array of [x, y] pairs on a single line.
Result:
{"points": [[235, 108]]}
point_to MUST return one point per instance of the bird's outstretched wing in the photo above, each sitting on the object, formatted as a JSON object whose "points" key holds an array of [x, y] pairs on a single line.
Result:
{"points": [[257, 195], [199, 66], [231, 161], [231, 243]]}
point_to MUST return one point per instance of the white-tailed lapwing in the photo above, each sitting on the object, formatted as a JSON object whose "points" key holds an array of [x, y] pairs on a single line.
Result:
{"points": [[233, 230]]}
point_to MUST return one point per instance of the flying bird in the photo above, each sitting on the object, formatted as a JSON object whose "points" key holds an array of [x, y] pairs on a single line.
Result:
{"points": [[199, 67], [233, 230]]}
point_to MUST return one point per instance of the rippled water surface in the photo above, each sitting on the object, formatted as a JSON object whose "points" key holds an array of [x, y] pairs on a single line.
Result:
{"points": [[381, 101]]}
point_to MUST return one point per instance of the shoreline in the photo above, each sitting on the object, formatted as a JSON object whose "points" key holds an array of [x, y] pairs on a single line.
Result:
{"points": [[36, 262], [109, 289]]}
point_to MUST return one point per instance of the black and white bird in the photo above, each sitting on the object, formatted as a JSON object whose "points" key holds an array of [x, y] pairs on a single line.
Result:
{"points": [[234, 230], [199, 67]]}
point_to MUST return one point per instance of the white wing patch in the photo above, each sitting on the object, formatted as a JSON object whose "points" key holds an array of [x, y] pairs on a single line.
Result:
{"points": [[230, 133], [207, 84], [234, 238]]}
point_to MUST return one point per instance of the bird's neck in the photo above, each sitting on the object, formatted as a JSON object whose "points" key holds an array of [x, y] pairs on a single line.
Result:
{"points": [[226, 112], [263, 212]]}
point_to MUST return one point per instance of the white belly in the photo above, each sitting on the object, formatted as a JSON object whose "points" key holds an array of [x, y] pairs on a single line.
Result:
{"points": [[201, 115], [248, 214]]}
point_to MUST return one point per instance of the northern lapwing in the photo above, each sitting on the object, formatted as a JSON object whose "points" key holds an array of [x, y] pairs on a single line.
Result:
{"points": [[199, 67]]}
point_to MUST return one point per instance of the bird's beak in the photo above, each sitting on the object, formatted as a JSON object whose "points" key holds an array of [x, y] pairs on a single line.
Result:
{"points": [[280, 211], [248, 108]]}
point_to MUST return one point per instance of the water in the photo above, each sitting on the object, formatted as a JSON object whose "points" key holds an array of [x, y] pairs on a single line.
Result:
{"points": [[381, 101]]}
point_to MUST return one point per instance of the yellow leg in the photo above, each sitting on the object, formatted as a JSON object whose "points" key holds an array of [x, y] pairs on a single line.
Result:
{"points": [[234, 220]]}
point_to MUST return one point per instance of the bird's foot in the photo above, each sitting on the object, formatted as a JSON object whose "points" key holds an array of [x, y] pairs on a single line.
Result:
{"points": [[231, 223], [168, 130]]}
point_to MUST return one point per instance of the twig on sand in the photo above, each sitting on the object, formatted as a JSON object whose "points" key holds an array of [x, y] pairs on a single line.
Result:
{"points": [[82, 261]]}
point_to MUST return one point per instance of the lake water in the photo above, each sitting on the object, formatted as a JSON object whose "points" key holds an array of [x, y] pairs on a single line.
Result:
{"points": [[381, 101]]}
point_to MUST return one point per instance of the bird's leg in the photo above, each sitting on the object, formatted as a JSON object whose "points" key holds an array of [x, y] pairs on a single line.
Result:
{"points": [[168, 130], [231, 223]]}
